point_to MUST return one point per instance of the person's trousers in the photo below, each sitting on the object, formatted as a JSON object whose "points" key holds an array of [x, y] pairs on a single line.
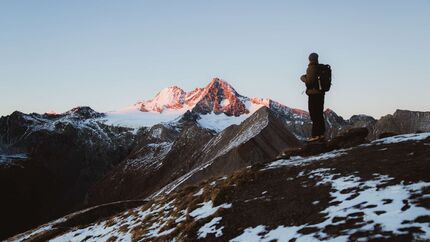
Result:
{"points": [[316, 111]]}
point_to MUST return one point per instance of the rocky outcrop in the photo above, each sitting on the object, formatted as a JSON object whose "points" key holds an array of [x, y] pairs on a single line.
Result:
{"points": [[350, 138], [402, 122]]}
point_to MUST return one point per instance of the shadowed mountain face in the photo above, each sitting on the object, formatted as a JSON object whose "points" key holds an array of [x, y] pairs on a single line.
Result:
{"points": [[66, 162], [61, 156], [378, 191], [194, 154]]}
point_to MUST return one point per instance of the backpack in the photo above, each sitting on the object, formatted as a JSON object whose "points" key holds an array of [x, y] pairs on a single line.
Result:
{"points": [[324, 77]]}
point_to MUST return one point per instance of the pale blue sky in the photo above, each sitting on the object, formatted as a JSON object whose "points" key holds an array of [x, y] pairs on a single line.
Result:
{"points": [[55, 55]]}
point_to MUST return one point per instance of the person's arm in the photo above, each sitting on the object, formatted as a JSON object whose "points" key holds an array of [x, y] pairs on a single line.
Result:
{"points": [[303, 78]]}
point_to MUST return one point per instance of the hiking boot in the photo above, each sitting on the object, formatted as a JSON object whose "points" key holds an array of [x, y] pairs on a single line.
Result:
{"points": [[321, 138], [313, 138]]}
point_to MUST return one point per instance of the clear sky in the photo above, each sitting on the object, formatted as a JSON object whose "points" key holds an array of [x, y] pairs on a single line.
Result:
{"points": [[55, 55]]}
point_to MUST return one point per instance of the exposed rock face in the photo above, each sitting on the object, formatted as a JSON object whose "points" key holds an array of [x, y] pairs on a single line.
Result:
{"points": [[334, 123], [192, 155], [259, 139], [220, 97], [155, 161], [66, 154], [363, 121], [346, 195], [402, 122]]}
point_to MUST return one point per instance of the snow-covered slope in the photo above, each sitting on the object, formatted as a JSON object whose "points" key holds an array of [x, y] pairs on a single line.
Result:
{"points": [[368, 192]]}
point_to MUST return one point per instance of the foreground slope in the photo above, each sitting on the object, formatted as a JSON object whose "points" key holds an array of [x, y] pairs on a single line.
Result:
{"points": [[377, 191]]}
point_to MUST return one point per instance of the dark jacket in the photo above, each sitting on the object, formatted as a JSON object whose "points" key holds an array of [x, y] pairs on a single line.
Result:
{"points": [[311, 79]]}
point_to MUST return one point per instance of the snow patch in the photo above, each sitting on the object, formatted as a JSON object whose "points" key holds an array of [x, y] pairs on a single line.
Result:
{"points": [[210, 228], [136, 119], [250, 234], [207, 209], [7, 159], [402, 138], [199, 193], [298, 160], [219, 122]]}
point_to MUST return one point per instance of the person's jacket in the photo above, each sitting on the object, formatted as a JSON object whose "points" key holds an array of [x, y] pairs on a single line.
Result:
{"points": [[311, 79]]}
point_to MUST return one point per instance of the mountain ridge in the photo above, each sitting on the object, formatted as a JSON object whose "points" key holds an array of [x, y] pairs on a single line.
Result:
{"points": [[90, 158]]}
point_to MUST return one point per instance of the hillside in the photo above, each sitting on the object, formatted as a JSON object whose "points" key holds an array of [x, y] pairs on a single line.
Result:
{"points": [[378, 191]]}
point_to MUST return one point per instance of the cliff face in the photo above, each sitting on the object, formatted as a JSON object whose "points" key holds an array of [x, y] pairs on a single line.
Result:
{"points": [[402, 122]]}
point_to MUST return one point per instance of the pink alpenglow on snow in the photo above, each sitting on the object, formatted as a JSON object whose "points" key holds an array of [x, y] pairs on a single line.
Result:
{"points": [[218, 99]]}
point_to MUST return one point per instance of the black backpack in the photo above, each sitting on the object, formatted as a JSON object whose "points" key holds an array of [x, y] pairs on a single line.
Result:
{"points": [[324, 77]]}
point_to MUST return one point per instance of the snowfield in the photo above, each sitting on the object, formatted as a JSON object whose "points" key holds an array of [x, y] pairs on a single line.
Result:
{"points": [[136, 119], [219, 122]]}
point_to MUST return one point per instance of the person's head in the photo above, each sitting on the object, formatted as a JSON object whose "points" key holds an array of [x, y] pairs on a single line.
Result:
{"points": [[313, 58]]}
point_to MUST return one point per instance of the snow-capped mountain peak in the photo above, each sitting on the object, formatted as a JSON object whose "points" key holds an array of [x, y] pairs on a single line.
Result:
{"points": [[219, 85], [168, 98], [218, 96], [217, 104]]}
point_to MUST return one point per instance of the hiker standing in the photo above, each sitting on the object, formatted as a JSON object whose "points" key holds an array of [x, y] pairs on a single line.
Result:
{"points": [[318, 81]]}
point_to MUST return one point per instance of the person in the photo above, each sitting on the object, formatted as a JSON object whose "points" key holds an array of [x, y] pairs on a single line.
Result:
{"points": [[316, 98]]}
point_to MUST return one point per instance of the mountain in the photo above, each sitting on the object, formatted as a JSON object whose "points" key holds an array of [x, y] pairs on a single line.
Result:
{"points": [[216, 106], [218, 97], [403, 121], [165, 162], [75, 160], [50, 161], [370, 192]]}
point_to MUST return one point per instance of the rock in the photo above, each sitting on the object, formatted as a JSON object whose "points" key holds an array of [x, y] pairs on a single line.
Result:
{"points": [[350, 138], [402, 122]]}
